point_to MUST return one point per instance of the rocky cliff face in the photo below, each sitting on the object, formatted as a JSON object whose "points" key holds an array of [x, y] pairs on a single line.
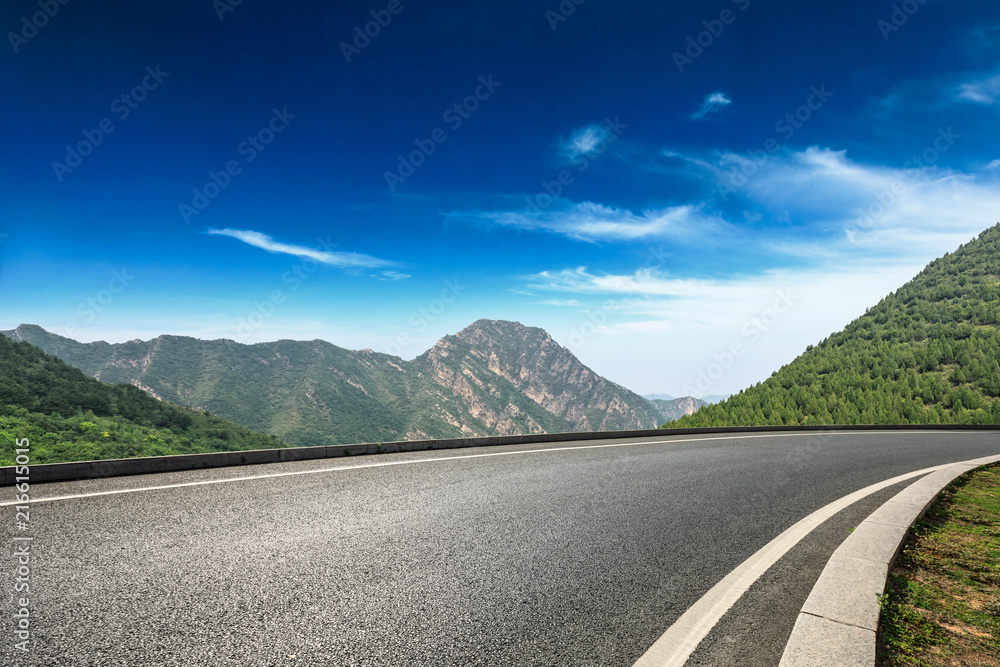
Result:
{"points": [[526, 359], [677, 407], [492, 378]]}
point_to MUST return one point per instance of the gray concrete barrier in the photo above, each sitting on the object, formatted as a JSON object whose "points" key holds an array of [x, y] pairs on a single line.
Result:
{"points": [[56, 472]]}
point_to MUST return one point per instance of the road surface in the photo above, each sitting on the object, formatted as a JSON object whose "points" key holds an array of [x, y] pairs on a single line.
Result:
{"points": [[578, 553]]}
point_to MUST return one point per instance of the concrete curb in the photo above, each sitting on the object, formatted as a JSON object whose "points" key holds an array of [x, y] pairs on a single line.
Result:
{"points": [[61, 472], [838, 623]]}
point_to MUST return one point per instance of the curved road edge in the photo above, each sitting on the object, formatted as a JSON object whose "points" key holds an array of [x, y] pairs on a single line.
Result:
{"points": [[839, 620]]}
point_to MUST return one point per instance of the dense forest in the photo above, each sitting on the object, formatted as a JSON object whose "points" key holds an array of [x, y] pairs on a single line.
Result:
{"points": [[927, 354], [68, 416]]}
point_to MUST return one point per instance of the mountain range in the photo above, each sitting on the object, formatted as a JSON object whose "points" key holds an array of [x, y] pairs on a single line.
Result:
{"points": [[927, 353], [492, 378]]}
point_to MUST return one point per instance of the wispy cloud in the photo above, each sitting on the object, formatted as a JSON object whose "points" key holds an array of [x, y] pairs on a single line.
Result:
{"points": [[828, 205], [903, 212], [395, 275], [584, 141], [587, 221], [982, 91], [343, 260], [918, 98], [712, 102], [983, 40], [793, 205]]}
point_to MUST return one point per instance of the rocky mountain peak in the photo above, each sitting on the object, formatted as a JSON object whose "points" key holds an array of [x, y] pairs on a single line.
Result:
{"points": [[484, 333], [27, 331]]}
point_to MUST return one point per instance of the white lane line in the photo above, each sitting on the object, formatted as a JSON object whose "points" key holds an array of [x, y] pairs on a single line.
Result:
{"points": [[676, 645], [385, 464]]}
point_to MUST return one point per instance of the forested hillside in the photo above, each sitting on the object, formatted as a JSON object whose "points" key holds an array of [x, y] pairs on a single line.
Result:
{"points": [[68, 416], [927, 354]]}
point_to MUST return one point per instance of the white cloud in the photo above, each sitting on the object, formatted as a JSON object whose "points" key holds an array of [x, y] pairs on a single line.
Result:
{"points": [[712, 102], [911, 212], [395, 275], [585, 141], [982, 91], [814, 203], [343, 260], [917, 98], [587, 221], [993, 165], [707, 305], [830, 206]]}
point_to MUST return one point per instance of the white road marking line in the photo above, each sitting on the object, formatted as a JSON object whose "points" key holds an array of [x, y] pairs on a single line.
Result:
{"points": [[676, 645], [384, 464]]}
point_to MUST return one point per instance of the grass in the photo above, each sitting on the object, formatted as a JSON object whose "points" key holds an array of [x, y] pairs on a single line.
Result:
{"points": [[942, 601]]}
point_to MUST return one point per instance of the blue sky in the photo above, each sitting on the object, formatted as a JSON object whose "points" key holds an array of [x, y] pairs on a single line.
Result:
{"points": [[685, 195]]}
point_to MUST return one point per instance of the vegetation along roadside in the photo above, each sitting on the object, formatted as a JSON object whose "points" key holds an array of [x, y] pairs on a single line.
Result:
{"points": [[942, 601]]}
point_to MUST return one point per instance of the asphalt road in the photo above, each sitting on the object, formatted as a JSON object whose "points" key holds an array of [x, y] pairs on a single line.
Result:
{"points": [[579, 555]]}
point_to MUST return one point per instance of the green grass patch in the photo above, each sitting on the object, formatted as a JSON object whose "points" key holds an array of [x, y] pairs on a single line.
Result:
{"points": [[942, 602]]}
